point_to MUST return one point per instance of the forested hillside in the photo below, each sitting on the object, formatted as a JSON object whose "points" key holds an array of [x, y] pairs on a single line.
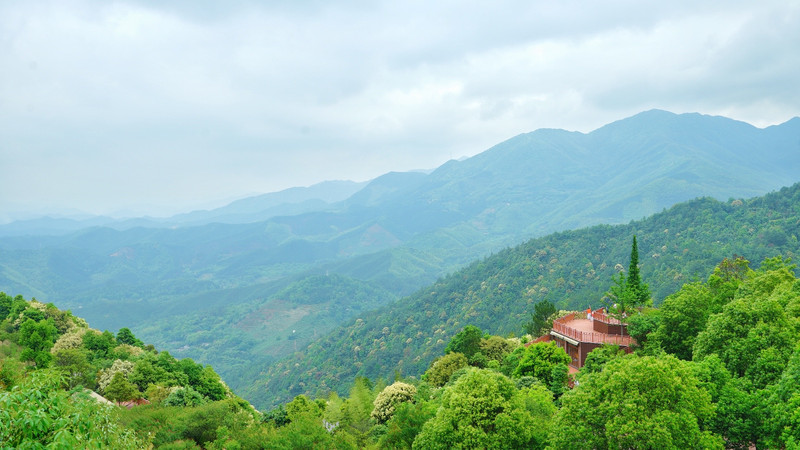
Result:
{"points": [[716, 366], [52, 365], [571, 269]]}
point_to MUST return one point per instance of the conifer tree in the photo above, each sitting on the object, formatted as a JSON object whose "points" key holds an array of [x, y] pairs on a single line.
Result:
{"points": [[638, 290], [629, 291]]}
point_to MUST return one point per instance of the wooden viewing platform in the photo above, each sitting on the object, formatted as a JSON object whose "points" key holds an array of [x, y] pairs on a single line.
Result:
{"points": [[582, 330]]}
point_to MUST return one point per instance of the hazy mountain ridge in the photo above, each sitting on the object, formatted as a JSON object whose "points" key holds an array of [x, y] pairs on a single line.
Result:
{"points": [[292, 201]]}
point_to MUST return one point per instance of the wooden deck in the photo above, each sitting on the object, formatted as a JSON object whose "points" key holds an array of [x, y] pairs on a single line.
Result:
{"points": [[582, 330]]}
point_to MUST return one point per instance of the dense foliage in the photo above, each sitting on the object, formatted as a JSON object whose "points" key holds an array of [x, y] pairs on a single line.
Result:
{"points": [[39, 412], [50, 361], [737, 385], [738, 388], [570, 269]]}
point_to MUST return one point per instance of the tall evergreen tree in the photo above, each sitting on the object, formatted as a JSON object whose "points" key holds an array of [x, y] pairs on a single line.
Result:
{"points": [[629, 291], [638, 289]]}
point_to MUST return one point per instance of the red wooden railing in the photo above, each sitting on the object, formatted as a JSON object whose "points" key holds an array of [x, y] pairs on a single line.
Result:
{"points": [[561, 326], [603, 317]]}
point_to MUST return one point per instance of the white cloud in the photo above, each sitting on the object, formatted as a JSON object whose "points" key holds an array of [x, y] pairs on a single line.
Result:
{"points": [[110, 104]]}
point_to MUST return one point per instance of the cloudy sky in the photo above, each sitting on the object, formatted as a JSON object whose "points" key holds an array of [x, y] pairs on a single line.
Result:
{"points": [[132, 106]]}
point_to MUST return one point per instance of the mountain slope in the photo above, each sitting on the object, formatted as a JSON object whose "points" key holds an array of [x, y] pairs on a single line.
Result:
{"points": [[571, 269]]}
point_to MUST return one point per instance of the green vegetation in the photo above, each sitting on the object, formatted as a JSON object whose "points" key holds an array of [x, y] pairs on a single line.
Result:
{"points": [[571, 270], [628, 292], [636, 402], [50, 360], [738, 388], [736, 385], [483, 409], [390, 398], [39, 413], [541, 319]]}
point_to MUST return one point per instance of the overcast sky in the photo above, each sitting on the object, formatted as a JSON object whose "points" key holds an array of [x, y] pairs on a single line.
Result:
{"points": [[115, 106]]}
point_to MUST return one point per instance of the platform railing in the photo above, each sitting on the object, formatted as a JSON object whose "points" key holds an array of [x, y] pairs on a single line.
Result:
{"points": [[561, 326]]}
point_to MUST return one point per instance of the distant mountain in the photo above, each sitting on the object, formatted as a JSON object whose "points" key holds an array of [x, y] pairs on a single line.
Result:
{"points": [[572, 269], [392, 235], [51, 226], [292, 201]]}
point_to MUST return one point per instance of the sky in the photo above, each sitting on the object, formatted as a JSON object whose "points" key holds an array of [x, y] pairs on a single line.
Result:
{"points": [[144, 107]]}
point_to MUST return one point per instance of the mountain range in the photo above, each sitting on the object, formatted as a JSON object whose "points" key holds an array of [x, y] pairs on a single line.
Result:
{"points": [[283, 269]]}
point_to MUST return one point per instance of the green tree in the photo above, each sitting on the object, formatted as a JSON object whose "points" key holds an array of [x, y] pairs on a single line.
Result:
{"points": [[125, 336], [438, 374], [406, 423], [541, 360], [156, 394], [357, 409], [639, 290], [740, 413], [5, 305], [641, 327], [146, 373], [210, 385], [18, 305], [483, 409], [301, 405], [394, 394], [120, 389], [466, 342], [539, 403], [75, 364], [540, 323], [754, 335], [683, 315], [304, 432], [628, 292], [38, 338], [725, 280], [597, 359], [100, 344], [496, 348], [783, 424], [184, 396], [636, 402], [276, 416], [11, 372]]}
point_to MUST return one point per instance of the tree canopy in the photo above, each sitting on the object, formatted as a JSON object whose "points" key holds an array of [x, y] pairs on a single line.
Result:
{"points": [[483, 409], [636, 402]]}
